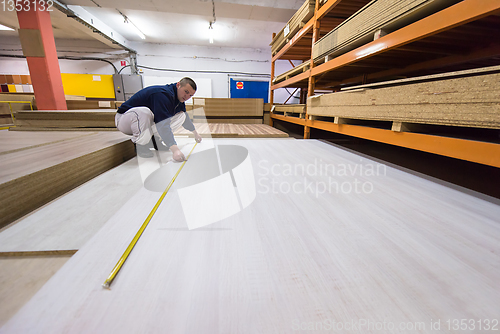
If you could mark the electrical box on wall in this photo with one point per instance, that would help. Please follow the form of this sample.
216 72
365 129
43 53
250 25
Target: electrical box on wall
127 85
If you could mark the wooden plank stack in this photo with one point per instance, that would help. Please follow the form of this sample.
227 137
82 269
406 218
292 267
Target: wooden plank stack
467 101
293 72
297 110
226 110
48 165
360 28
298 20
65 119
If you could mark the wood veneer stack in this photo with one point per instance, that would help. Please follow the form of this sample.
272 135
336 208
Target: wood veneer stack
298 20
468 101
360 28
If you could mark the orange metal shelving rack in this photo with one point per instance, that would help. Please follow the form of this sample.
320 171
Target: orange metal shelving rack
468 28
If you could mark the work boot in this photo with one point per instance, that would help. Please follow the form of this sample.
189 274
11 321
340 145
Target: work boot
158 144
144 151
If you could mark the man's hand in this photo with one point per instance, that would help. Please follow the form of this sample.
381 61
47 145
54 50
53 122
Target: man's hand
197 137
177 154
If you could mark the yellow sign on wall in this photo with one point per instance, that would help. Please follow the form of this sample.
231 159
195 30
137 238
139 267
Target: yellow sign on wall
88 85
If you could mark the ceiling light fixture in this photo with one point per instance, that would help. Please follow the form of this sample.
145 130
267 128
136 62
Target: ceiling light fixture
210 28
211 34
134 27
2 27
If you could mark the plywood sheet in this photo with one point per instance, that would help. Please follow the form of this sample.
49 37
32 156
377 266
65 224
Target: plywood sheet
400 249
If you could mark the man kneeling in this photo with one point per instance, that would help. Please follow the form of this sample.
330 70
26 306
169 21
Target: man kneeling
157 111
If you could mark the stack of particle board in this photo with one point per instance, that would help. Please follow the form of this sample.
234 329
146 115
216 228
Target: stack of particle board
466 101
298 20
388 15
293 72
224 110
37 167
287 109
65 119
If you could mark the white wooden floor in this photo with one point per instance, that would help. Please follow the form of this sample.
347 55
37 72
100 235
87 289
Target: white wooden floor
385 250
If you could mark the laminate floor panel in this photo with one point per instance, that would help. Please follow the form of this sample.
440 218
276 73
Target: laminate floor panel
320 237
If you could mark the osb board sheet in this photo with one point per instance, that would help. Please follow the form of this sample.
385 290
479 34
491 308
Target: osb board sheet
64 118
405 250
21 278
469 101
71 220
235 130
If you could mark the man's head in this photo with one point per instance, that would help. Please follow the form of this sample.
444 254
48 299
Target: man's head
186 88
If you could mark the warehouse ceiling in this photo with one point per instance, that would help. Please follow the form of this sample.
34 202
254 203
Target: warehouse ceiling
238 23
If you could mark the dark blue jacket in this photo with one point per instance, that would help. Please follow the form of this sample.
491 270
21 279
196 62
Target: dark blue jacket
163 102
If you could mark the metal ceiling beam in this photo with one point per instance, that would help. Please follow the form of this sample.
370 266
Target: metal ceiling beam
93 26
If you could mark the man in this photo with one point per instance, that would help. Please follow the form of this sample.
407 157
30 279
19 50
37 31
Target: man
157 110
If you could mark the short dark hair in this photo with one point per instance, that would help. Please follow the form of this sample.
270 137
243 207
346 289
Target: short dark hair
189 81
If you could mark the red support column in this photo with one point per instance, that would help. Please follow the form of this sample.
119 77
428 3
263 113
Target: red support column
39 47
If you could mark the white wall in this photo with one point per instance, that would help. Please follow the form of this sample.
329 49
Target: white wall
215 63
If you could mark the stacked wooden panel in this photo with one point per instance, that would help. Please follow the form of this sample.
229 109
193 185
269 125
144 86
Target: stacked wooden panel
226 110
298 20
65 119
295 110
293 72
37 167
92 104
360 28
468 101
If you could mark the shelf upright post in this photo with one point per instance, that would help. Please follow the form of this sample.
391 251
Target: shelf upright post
311 83
271 94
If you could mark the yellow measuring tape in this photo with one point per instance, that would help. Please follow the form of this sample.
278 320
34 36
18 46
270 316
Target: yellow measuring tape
118 266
